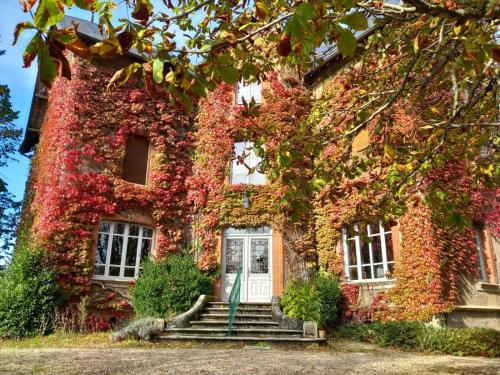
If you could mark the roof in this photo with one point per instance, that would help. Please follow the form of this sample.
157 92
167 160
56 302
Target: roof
90 31
330 53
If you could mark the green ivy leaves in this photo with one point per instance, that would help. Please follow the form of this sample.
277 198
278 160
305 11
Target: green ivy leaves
48 13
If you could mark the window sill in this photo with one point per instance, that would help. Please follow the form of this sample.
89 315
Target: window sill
487 287
373 281
115 279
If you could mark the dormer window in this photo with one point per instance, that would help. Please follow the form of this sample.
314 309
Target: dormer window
244 165
248 91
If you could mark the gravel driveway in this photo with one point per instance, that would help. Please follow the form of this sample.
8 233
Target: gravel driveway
235 361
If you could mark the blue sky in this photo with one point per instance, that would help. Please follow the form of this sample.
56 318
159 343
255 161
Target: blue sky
21 80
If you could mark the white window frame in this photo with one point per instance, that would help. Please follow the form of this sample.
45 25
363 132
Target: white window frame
249 91
481 263
247 145
137 267
359 264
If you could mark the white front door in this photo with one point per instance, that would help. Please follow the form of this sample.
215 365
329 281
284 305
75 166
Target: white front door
250 249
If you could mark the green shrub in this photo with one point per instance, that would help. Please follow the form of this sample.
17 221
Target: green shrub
462 341
360 332
411 335
301 300
29 295
405 335
169 287
330 297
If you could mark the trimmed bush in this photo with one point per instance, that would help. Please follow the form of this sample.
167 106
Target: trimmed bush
462 341
169 287
330 297
29 295
301 300
412 335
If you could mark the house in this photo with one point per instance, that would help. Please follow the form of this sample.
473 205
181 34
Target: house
112 182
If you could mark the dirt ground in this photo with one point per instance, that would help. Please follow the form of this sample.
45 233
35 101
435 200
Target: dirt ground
243 360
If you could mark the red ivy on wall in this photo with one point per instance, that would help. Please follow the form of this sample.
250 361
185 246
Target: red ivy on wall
78 167
220 124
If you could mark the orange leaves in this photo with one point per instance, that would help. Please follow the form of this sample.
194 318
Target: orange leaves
107 48
27 4
20 27
69 39
142 10
284 46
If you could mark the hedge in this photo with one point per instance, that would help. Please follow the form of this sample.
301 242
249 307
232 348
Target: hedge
418 336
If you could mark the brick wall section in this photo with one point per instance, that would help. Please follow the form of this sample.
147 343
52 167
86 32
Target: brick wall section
277 260
489 256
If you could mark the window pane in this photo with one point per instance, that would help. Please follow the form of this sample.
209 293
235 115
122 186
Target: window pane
365 252
366 272
353 273
374 228
351 250
249 91
351 232
133 230
104 226
131 251
390 267
259 256
146 232
114 271
146 249
99 270
234 254
388 247
129 272
377 249
248 230
102 248
116 250
119 228
388 226
379 271
257 178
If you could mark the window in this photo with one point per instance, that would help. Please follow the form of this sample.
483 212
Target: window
135 164
121 248
368 253
481 263
248 91
244 165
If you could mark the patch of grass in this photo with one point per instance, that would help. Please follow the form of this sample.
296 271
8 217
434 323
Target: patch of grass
59 340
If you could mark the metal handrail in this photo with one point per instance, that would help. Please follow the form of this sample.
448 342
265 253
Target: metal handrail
234 300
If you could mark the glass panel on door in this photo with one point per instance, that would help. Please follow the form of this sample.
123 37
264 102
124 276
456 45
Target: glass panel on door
259 256
234 254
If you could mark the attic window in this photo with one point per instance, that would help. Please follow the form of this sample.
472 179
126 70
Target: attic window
248 91
135 164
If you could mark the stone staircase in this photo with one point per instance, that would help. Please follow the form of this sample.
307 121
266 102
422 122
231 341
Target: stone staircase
253 323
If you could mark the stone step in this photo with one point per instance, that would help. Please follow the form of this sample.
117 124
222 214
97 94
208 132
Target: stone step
271 339
236 323
241 305
243 310
256 332
245 317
